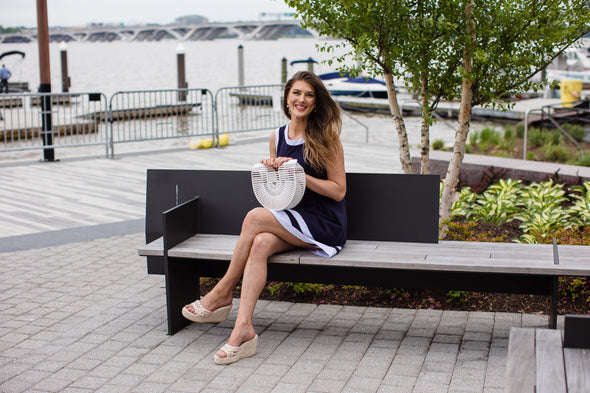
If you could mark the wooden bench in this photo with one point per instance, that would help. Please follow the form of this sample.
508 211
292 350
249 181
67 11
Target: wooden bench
550 361
193 218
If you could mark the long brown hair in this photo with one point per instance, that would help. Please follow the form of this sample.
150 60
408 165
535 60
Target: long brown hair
323 125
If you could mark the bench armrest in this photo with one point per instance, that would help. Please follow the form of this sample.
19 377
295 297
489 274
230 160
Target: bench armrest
180 223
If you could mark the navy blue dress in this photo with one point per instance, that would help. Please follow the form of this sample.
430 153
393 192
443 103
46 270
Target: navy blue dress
317 220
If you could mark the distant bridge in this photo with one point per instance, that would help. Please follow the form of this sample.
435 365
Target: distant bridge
204 32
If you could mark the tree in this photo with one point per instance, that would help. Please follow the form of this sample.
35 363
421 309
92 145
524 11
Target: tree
429 63
405 39
478 50
502 45
371 28
6 30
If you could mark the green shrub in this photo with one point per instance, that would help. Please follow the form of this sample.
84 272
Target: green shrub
473 137
520 130
576 131
542 210
457 297
509 132
553 137
575 287
580 208
498 204
507 144
545 210
305 288
536 138
581 160
484 145
274 288
555 153
573 236
508 140
438 144
531 156
489 135
463 206
464 231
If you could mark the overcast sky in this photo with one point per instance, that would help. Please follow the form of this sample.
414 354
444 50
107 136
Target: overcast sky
16 13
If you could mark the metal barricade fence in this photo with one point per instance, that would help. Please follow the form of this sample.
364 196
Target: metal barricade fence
160 114
49 120
249 108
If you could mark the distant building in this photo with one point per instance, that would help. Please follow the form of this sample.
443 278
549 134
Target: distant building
191 20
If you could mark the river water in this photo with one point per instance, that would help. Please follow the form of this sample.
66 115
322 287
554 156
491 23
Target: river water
123 65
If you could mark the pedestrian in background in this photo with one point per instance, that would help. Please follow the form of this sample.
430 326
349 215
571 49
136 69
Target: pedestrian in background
5 74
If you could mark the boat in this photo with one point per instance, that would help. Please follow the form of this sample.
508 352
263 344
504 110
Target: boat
345 85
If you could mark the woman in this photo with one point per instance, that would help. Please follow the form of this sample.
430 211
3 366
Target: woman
317 223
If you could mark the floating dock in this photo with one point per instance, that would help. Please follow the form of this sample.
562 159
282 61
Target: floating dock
66 99
16 101
33 132
516 111
8 102
253 99
144 113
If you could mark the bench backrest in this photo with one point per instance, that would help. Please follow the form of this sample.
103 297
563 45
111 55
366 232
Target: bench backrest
388 207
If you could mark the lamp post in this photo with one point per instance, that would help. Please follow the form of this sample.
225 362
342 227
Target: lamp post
181 72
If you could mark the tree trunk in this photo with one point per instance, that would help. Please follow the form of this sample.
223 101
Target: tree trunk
452 176
446 202
424 133
404 146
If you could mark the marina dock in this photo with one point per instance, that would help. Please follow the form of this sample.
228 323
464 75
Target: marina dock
35 132
143 113
11 102
529 109
515 111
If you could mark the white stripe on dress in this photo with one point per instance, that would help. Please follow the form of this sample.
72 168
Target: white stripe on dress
323 249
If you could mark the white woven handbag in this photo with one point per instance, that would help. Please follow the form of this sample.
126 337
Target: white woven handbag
280 189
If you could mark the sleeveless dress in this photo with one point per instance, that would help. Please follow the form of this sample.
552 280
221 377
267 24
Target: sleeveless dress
316 220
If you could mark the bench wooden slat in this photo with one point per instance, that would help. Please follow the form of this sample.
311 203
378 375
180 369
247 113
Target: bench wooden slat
520 369
549 360
577 364
513 265
155 248
386 255
218 247
488 247
444 263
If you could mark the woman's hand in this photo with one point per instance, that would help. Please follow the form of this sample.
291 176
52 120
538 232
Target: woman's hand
275 163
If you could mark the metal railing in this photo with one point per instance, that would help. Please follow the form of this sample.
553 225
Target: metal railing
248 108
551 114
49 120
160 114
55 120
